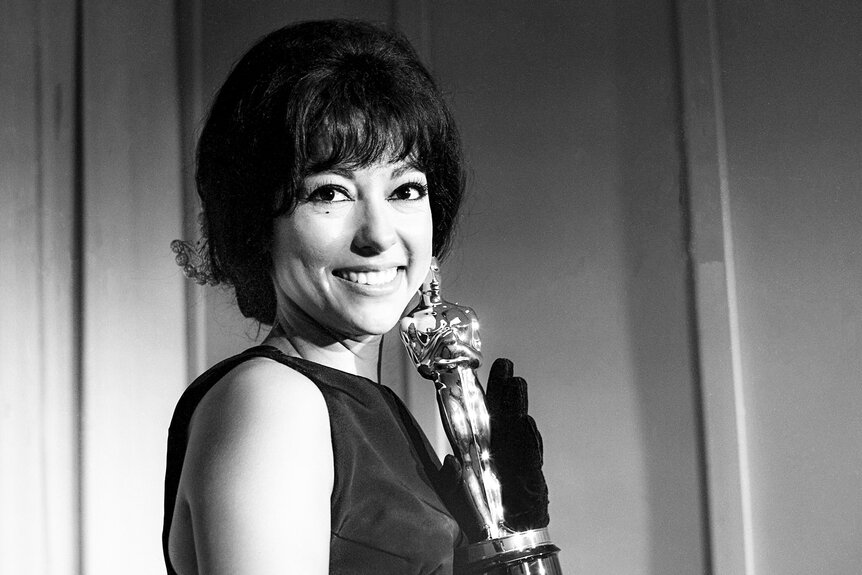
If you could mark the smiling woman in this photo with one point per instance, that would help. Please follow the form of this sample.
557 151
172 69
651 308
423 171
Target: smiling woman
371 229
330 174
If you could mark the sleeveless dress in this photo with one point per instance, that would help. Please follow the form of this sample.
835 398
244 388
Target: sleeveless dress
387 516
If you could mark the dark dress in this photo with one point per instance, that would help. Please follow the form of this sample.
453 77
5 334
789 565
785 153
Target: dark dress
387 516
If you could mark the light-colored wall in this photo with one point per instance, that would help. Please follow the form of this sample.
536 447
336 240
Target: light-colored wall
572 252
93 350
38 395
133 310
791 81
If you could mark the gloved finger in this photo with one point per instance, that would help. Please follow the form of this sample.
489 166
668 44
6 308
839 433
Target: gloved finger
450 479
501 370
517 445
450 471
507 398
500 373
538 436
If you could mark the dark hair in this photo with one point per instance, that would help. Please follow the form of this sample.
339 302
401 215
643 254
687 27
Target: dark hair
306 98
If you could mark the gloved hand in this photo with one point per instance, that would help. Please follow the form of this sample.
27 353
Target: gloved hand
516 449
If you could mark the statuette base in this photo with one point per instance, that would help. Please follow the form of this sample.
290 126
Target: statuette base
524 553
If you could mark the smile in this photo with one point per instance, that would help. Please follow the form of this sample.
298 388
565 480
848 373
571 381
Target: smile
370 277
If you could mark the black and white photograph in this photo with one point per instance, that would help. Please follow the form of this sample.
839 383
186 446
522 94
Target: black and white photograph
431 287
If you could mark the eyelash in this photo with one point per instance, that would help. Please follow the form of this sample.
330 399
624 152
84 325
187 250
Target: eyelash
314 196
415 185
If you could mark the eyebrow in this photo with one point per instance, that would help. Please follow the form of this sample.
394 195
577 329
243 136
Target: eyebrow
403 169
343 172
396 172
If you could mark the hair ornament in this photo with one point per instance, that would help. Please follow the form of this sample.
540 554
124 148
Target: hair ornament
194 260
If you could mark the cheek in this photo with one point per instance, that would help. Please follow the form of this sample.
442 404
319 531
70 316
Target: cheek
424 235
417 230
301 256
421 240
302 242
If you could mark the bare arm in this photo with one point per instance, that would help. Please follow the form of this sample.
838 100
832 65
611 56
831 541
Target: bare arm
259 473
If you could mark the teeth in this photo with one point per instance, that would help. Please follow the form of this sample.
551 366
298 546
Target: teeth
369 278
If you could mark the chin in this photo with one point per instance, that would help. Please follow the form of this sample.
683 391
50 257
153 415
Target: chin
373 323
375 328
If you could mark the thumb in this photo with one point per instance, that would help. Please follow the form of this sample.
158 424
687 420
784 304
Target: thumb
450 472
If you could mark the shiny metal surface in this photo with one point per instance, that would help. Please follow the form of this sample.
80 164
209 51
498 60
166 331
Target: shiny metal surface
521 541
442 339
526 552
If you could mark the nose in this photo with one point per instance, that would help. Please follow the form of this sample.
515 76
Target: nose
375 229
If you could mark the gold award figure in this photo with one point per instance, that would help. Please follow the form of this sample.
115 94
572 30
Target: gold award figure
442 339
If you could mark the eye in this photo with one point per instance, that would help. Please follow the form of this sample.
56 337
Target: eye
328 194
411 191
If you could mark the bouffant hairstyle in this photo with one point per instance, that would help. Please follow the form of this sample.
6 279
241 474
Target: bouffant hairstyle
304 99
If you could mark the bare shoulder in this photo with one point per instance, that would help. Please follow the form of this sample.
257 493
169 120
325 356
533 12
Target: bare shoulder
258 463
260 407
260 392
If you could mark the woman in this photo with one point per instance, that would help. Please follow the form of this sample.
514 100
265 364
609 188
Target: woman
330 173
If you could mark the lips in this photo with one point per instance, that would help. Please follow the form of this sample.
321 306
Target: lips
368 277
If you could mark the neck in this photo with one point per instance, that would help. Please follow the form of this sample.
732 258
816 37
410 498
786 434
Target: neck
298 337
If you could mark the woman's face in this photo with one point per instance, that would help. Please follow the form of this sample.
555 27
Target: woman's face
355 249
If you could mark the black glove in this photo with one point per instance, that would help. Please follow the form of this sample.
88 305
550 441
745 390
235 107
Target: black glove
516 449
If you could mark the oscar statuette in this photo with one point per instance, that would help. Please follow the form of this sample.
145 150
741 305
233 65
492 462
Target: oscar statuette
442 339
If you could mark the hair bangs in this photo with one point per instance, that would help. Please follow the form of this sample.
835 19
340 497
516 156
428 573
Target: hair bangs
363 124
